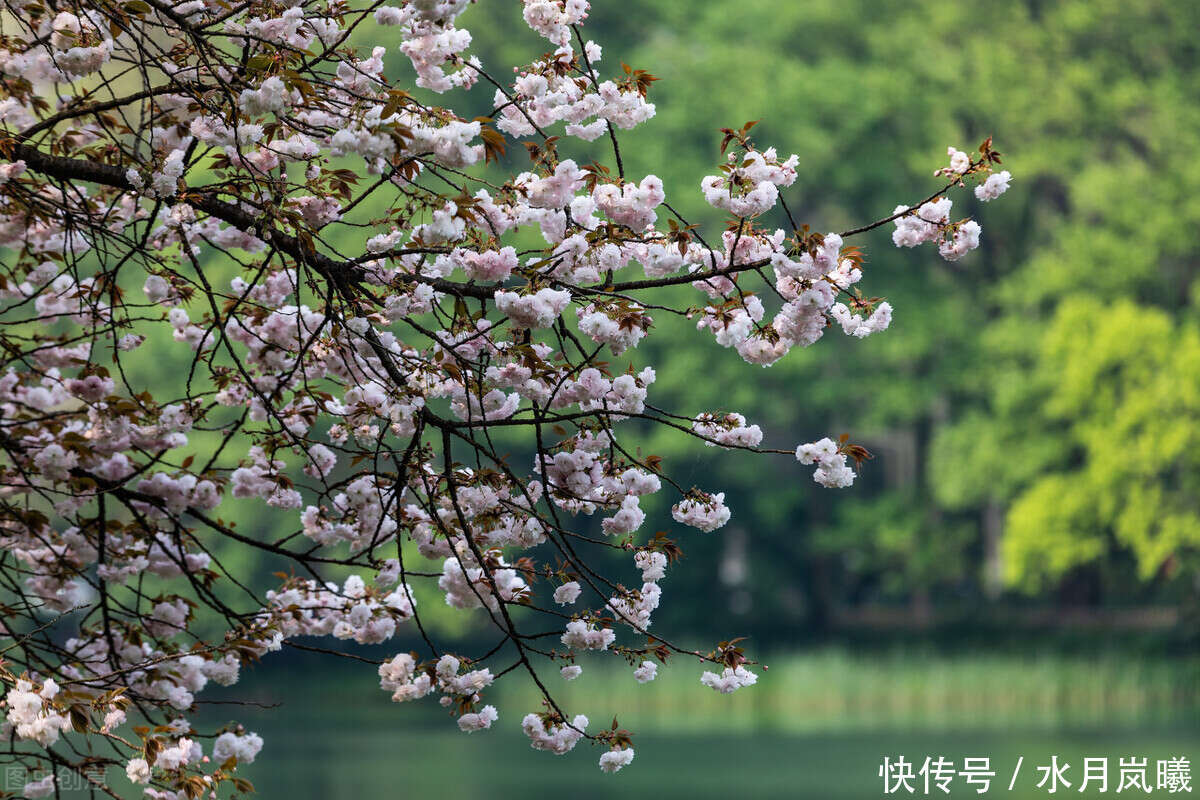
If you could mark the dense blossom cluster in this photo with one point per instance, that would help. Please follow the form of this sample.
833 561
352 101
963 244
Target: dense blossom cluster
729 430
729 680
339 341
832 470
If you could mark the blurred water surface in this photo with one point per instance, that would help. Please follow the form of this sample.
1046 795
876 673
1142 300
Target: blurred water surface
818 725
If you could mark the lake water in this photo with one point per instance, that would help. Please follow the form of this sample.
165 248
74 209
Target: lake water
339 738
402 760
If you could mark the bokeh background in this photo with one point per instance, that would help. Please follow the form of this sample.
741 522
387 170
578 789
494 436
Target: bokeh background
1016 573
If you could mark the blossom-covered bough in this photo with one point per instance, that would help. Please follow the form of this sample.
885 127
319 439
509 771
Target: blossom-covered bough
371 318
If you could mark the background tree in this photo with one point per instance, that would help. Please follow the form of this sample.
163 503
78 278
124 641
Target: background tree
1095 100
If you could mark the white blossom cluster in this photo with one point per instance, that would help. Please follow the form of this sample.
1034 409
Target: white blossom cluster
729 680
401 677
832 470
379 333
750 187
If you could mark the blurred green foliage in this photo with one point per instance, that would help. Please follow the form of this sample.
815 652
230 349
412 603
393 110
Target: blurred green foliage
1121 380
1033 406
